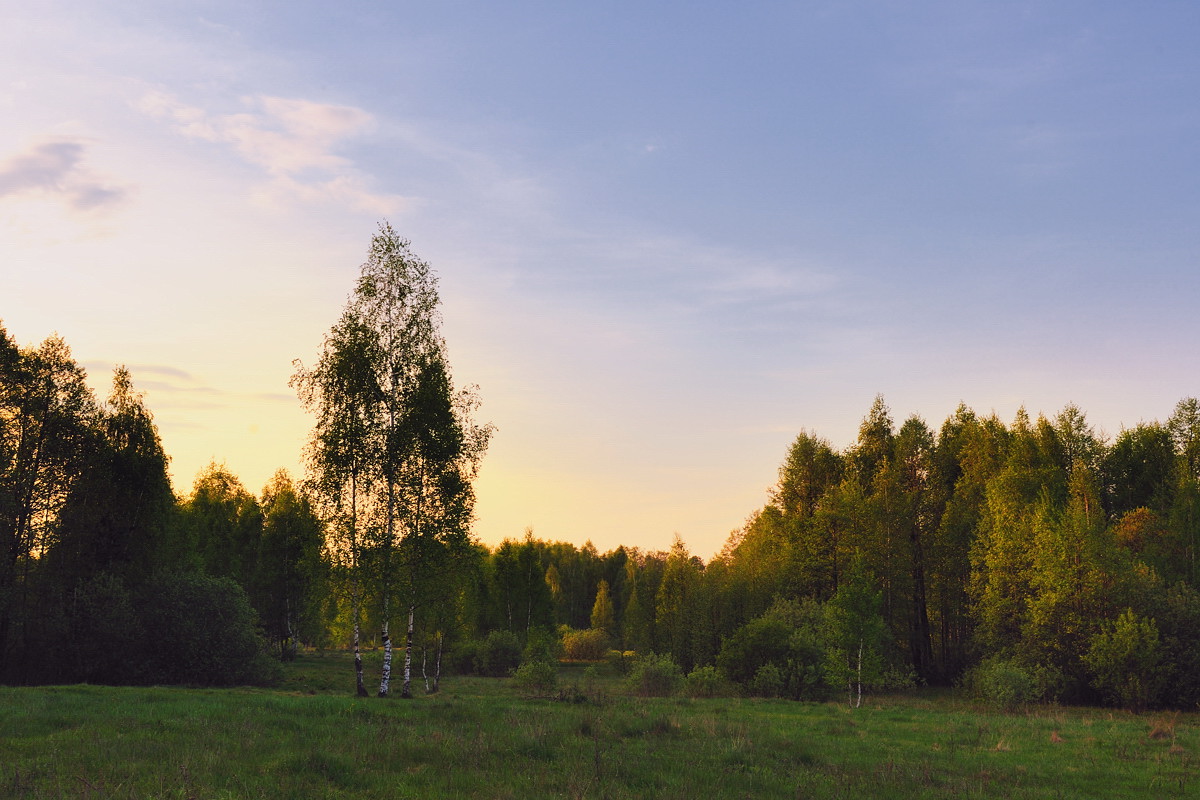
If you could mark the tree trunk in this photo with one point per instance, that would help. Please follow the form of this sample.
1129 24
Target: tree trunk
437 664
860 649
424 674
386 678
407 693
358 667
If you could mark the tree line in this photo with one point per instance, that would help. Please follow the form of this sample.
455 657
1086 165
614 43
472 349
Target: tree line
106 576
1030 559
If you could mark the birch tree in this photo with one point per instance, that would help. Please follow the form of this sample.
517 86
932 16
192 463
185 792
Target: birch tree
393 433
339 454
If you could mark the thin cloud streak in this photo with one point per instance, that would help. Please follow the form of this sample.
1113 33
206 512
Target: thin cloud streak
56 168
292 140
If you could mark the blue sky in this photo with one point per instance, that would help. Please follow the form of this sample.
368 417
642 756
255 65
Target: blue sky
669 235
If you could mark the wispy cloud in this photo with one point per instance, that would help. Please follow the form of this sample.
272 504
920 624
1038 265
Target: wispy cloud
294 141
56 168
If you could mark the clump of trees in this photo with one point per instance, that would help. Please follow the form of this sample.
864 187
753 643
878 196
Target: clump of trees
104 575
394 449
1025 560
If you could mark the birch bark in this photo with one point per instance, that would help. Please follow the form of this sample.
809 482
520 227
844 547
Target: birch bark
407 693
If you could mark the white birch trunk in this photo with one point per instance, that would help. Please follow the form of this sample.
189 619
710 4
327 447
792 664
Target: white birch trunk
437 664
407 693
860 649
424 674
361 687
385 679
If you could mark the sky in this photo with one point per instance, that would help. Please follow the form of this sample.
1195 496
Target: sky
668 236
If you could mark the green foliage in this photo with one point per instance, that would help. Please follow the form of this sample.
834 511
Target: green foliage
857 633
202 631
675 607
107 637
1001 682
620 662
654 676
540 676
292 575
708 681
1126 660
768 681
542 644
498 655
603 615
790 637
587 645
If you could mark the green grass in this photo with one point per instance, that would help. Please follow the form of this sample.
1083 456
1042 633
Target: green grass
482 738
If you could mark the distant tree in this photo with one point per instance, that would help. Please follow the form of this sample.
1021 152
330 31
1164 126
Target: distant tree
603 617
857 634
809 471
291 571
46 413
1184 427
674 604
119 512
1138 469
522 594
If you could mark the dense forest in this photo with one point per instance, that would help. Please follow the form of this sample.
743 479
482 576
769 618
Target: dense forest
1033 558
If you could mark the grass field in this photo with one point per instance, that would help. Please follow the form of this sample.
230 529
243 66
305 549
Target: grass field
309 738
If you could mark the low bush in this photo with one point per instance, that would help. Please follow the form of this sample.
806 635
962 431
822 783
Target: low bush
619 662
1001 682
708 682
654 676
498 655
586 645
539 676
767 682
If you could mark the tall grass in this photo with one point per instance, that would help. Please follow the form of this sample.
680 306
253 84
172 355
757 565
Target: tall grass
483 738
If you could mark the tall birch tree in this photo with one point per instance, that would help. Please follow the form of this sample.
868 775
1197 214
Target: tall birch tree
392 431
339 454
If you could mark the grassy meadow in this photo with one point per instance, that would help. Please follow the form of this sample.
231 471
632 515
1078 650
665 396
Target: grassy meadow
479 737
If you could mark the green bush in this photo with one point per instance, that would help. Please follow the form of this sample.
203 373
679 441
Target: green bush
789 638
1126 661
708 682
542 644
767 682
536 676
202 631
1001 682
619 662
654 676
498 655
586 645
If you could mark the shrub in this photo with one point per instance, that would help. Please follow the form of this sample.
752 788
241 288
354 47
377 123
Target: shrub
619 662
1126 660
542 644
586 645
767 681
789 638
536 676
1002 683
498 655
202 631
708 682
654 676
